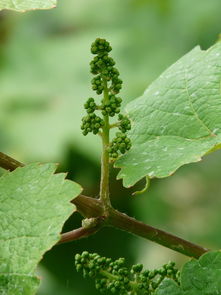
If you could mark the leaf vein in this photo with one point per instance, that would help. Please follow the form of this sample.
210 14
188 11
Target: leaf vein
191 104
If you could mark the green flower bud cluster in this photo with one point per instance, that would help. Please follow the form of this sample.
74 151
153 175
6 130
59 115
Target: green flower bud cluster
120 144
103 66
91 123
125 124
90 105
115 277
106 80
112 107
97 84
99 46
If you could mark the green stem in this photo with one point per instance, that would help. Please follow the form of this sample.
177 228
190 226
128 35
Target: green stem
113 277
104 184
114 125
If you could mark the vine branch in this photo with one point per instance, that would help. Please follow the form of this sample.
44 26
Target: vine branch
82 232
76 234
9 163
91 207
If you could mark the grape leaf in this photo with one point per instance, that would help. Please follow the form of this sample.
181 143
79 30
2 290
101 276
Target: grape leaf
177 120
23 5
198 277
34 205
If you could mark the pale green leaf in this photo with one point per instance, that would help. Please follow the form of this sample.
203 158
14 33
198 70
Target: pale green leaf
198 277
35 203
23 5
169 287
177 120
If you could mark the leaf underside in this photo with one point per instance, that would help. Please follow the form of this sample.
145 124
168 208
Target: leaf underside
178 118
198 277
35 203
24 5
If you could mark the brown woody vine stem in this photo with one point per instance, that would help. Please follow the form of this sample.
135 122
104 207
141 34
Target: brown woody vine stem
90 207
81 232
9 163
76 234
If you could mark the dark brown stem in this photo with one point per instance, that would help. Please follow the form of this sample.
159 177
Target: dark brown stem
90 207
129 224
81 232
9 163
76 234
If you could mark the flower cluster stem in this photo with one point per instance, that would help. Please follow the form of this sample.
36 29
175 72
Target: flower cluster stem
104 183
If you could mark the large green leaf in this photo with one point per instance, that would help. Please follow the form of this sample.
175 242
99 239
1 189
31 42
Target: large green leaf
177 120
34 205
23 5
198 277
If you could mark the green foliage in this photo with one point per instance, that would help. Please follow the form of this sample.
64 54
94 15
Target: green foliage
177 120
53 104
24 5
181 92
117 278
198 277
35 202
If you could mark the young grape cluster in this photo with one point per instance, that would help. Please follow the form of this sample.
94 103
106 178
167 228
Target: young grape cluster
125 124
102 65
121 143
112 107
115 277
91 123
106 81
90 105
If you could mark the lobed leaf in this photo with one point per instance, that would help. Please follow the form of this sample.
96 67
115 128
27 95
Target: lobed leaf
24 5
177 120
198 277
35 203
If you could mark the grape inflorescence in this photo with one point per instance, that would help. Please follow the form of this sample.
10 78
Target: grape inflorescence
113 276
102 66
121 143
106 81
91 123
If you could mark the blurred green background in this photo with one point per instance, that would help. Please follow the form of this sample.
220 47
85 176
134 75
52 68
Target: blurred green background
44 81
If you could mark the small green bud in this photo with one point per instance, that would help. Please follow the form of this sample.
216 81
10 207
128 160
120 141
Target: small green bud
137 268
154 285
